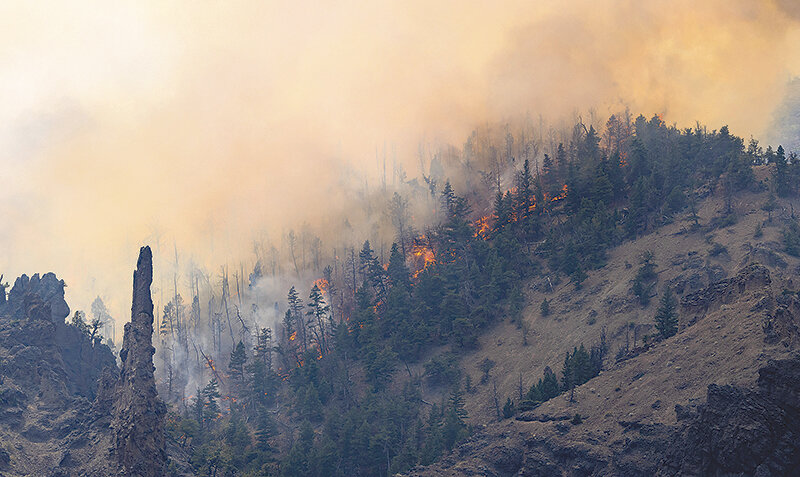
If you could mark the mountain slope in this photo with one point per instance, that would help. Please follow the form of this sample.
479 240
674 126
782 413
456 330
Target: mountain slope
729 331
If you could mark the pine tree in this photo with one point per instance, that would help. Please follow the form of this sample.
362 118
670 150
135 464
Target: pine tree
210 394
317 313
263 348
236 369
296 317
238 359
523 199
380 364
372 272
544 308
548 385
666 317
781 175
791 239
448 198
397 269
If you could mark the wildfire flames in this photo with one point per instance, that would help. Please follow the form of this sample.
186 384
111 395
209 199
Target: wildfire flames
323 285
560 196
293 336
423 253
482 227
623 156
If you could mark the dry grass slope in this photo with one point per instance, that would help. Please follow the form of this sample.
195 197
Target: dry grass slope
724 346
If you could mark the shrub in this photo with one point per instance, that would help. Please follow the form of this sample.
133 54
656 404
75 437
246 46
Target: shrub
485 367
791 239
509 409
717 249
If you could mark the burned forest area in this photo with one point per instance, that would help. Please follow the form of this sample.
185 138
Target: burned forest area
400 239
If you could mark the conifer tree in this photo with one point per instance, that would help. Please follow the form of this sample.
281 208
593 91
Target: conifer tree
781 175
209 410
548 385
544 308
317 313
397 269
236 367
666 317
296 311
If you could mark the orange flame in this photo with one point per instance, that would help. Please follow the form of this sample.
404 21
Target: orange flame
293 336
423 253
482 227
560 196
322 284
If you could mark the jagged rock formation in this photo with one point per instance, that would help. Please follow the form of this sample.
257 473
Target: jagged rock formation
783 324
696 305
37 305
49 373
138 413
742 432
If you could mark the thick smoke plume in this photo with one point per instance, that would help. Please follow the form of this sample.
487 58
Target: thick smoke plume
247 119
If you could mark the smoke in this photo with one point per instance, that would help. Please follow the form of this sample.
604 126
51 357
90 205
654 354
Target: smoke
205 126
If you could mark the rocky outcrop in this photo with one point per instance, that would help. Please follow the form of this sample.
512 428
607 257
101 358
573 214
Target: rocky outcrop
49 373
535 455
737 431
742 432
765 253
783 324
47 290
138 413
696 305
43 353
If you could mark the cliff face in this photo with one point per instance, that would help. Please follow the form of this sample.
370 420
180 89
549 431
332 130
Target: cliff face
49 373
65 407
742 432
36 336
138 413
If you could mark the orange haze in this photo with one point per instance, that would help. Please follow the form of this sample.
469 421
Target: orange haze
203 125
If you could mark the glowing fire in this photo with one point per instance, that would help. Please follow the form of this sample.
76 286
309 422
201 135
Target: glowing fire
622 159
482 227
293 336
423 252
323 285
560 196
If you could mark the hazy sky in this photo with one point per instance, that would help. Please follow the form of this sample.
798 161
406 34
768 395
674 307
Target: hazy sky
204 123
